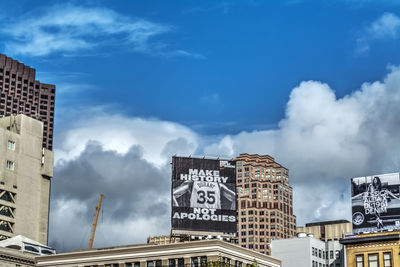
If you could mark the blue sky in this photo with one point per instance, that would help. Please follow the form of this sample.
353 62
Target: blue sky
315 84
204 63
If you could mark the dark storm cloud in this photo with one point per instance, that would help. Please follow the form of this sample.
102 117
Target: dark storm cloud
133 188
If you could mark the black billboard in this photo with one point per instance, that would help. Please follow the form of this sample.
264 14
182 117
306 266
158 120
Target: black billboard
376 202
203 195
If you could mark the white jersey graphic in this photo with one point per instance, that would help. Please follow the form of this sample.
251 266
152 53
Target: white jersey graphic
206 195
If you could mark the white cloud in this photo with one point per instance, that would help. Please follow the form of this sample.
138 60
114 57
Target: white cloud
119 133
325 140
68 28
386 26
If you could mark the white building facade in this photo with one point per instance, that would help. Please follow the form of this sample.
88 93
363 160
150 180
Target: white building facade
306 251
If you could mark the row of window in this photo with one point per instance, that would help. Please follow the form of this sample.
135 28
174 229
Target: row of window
179 262
373 260
257 169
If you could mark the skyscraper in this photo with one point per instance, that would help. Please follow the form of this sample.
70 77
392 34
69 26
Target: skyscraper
265 202
25 172
20 93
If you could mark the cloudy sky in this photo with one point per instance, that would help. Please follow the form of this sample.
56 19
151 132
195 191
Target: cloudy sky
315 84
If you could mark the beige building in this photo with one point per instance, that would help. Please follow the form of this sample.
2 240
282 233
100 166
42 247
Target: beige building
196 253
328 230
25 172
265 202
13 258
373 249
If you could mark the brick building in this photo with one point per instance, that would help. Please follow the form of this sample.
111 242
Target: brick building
265 202
21 93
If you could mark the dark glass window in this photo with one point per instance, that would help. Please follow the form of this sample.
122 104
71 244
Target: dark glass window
203 261
32 249
181 262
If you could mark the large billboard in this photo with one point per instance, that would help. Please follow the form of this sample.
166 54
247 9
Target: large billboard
376 202
203 195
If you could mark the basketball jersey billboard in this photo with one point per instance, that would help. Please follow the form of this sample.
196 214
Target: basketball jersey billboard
203 195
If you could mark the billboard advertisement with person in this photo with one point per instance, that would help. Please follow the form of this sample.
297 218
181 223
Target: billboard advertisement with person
203 195
376 202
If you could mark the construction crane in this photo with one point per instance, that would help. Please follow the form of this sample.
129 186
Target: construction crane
94 224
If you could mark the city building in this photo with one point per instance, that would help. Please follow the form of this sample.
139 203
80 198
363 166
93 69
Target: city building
25 172
327 230
373 249
264 202
21 93
195 254
307 251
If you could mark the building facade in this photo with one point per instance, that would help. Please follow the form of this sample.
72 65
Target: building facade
264 202
21 93
194 254
373 249
327 230
307 251
14 258
25 172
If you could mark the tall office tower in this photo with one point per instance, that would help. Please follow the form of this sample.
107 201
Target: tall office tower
20 93
265 202
25 172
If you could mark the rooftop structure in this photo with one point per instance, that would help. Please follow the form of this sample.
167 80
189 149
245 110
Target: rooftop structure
327 230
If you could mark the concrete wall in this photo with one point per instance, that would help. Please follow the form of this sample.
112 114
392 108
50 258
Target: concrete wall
30 179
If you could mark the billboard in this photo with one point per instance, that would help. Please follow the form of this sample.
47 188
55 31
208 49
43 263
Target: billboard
203 195
375 202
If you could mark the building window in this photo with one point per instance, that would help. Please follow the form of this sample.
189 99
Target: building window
373 260
10 165
6 226
387 259
195 262
111 265
7 196
11 145
6 211
331 254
